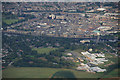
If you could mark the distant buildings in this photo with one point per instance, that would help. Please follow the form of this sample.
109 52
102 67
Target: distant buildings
90 49
94 59
111 14
90 69
73 20
59 17
97 69
69 54
101 9
104 28
52 16
84 41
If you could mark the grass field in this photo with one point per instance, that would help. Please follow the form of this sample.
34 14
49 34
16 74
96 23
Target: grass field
113 73
10 21
44 50
36 72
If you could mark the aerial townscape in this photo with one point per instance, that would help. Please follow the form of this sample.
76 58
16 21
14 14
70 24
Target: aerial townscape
60 39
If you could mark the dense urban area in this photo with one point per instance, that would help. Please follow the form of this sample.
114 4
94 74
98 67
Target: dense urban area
81 37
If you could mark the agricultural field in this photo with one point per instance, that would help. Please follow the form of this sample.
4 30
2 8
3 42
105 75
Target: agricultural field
44 50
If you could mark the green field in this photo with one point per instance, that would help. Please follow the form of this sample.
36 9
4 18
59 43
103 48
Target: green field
36 72
10 21
44 50
113 73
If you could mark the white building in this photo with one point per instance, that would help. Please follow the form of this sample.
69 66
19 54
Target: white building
101 9
104 28
52 16
69 54
100 55
97 69
84 41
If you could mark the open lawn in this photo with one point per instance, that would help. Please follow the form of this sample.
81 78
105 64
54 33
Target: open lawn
44 50
36 72
28 72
